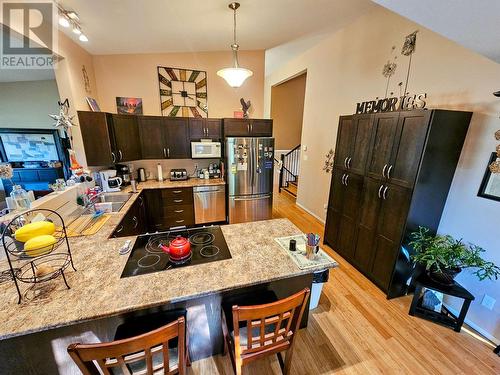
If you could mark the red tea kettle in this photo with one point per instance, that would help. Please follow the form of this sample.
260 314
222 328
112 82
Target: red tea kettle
179 248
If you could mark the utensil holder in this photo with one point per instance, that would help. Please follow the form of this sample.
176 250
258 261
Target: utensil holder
311 252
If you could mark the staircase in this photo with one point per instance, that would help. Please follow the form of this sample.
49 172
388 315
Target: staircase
289 171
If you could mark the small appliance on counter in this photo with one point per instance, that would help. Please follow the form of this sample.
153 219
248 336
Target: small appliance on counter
213 171
141 174
109 182
205 150
123 171
178 174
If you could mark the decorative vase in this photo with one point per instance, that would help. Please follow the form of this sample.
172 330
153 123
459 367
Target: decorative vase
445 276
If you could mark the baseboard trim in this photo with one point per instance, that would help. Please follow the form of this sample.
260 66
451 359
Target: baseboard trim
310 213
474 326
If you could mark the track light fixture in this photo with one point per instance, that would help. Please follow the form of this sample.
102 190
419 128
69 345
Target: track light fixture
69 18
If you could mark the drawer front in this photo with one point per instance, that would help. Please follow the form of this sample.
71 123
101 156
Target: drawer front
178 221
183 196
176 211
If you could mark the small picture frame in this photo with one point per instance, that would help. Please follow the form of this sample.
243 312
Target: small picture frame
93 104
490 186
128 106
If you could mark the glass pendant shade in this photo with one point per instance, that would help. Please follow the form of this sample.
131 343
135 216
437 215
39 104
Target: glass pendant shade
235 76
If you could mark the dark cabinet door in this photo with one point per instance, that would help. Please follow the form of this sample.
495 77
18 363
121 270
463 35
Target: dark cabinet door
177 138
236 128
335 200
152 140
154 209
96 138
384 131
353 188
334 213
214 128
345 135
360 144
333 218
391 224
126 135
197 128
408 147
367 223
261 128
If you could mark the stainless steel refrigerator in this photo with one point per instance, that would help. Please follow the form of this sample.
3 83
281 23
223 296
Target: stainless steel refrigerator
250 163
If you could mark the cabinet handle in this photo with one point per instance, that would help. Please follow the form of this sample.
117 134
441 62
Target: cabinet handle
251 128
346 179
121 155
342 179
380 191
178 211
345 162
178 200
349 162
389 171
177 191
164 152
383 170
141 200
119 230
136 222
168 152
179 221
113 157
384 194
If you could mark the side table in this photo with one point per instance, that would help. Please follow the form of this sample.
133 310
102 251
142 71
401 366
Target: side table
444 317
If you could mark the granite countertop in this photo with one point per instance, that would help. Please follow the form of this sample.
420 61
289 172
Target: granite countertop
98 291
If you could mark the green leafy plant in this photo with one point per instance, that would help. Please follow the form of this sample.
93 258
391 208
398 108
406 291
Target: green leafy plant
438 253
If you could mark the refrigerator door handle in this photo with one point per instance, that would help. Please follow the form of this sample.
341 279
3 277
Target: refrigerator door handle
253 199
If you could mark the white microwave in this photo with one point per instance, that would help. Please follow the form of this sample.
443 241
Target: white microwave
207 150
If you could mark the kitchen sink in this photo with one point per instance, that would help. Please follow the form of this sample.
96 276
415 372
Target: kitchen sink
117 200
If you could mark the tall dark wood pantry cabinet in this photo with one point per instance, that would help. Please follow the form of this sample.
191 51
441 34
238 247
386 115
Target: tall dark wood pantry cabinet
392 173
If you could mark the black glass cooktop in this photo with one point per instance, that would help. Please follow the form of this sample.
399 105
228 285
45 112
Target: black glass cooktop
207 245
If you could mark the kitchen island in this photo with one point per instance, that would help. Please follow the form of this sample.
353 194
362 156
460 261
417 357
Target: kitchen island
40 330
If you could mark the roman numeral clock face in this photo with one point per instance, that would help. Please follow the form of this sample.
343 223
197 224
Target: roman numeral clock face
183 92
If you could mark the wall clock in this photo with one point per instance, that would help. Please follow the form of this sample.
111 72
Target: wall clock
183 92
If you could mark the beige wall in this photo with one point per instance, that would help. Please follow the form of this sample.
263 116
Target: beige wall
346 68
287 109
27 104
136 76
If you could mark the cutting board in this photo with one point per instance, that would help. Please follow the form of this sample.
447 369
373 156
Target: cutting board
86 226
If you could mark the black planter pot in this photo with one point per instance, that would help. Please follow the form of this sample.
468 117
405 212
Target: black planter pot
445 276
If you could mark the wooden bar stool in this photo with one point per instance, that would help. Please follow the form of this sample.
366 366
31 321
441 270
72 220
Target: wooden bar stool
263 330
148 353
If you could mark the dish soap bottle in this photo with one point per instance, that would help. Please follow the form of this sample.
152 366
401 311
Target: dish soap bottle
20 198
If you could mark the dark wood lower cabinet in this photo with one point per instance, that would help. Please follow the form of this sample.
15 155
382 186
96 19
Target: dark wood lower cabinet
376 202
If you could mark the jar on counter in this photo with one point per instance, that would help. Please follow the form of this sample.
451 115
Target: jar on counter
20 197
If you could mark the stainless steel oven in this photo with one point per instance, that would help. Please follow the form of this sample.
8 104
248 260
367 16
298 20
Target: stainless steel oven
209 204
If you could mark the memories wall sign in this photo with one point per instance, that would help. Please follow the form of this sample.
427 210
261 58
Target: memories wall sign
401 103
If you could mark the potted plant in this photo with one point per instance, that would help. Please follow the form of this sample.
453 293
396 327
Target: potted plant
445 257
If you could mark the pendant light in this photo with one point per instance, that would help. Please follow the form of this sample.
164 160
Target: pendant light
235 76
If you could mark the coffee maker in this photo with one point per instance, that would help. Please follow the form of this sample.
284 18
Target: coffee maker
123 171
109 181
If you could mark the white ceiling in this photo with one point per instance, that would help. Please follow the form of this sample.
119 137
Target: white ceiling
474 24
133 26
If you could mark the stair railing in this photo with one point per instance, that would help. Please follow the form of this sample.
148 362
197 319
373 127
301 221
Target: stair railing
289 167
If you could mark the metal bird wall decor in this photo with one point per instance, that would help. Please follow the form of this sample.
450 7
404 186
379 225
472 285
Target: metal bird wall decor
245 106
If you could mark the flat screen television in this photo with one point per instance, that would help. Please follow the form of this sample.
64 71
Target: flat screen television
29 146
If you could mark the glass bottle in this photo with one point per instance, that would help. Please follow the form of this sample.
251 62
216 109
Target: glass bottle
20 197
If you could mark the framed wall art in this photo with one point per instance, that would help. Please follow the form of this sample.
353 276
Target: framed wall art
183 92
129 106
490 186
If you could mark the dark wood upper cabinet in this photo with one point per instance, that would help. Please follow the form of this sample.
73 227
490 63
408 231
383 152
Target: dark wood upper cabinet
392 174
177 137
96 135
384 131
408 146
152 138
234 127
205 128
126 136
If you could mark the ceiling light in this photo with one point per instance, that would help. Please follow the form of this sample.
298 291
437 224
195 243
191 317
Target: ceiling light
83 38
234 76
72 14
76 29
63 20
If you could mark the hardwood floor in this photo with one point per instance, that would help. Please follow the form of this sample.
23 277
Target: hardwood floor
356 330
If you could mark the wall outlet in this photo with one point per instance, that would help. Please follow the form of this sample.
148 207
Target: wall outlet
325 206
488 302
304 148
305 157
